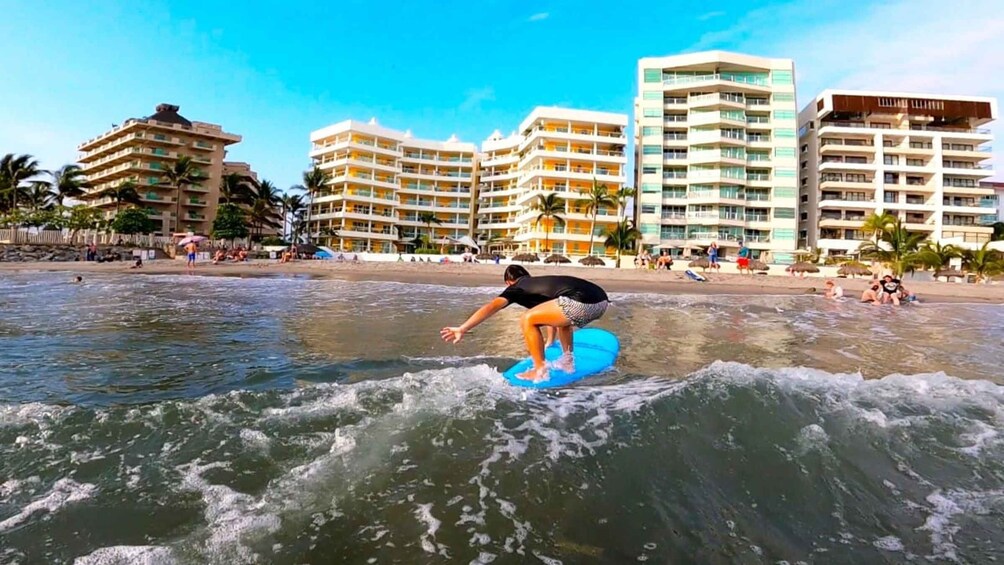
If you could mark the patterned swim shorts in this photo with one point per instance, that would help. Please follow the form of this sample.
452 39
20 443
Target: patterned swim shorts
581 314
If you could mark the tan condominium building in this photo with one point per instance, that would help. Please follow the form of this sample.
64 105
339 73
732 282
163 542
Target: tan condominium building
385 188
715 144
555 151
140 150
919 157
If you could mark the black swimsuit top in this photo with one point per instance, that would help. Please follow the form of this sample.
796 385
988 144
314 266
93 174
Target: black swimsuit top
532 291
891 286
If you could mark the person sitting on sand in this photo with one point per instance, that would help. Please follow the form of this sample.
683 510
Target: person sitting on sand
242 255
871 294
138 263
890 289
834 291
559 302
220 255
665 261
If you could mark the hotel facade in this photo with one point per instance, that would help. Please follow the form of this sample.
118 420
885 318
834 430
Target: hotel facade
715 153
918 157
381 183
141 149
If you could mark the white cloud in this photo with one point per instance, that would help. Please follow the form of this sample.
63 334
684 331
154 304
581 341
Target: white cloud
709 15
903 45
475 97
539 16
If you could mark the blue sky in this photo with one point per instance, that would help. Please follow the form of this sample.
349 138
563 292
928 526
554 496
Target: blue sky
274 71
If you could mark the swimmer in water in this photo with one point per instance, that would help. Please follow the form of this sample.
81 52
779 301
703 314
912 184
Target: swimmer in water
559 302
77 279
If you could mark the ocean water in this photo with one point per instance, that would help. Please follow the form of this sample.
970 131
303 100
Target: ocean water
157 420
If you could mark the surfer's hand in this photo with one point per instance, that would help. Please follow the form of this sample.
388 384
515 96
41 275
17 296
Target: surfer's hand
452 335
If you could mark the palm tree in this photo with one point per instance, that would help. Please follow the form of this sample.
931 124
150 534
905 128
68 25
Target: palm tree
67 182
263 207
429 218
899 251
37 196
313 182
183 173
292 206
14 170
877 224
622 237
549 206
599 198
983 262
622 194
234 186
937 256
123 192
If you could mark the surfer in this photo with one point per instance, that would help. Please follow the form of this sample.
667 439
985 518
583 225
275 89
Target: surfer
552 302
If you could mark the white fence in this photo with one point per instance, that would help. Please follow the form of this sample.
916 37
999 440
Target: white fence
65 237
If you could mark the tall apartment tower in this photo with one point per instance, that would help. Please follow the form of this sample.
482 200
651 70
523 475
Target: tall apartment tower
141 149
381 181
919 157
715 142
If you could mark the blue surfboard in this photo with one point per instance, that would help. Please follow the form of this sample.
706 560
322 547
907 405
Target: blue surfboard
595 350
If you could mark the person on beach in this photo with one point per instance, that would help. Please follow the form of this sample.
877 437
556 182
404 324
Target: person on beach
554 302
871 294
834 291
191 248
713 256
743 262
891 289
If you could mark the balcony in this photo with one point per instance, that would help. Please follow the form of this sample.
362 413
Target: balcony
195 202
756 84
717 100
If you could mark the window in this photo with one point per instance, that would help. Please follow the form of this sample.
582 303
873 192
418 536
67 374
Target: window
651 150
784 173
649 188
651 112
782 77
651 130
156 166
891 159
784 234
784 132
915 162
891 178
804 199
152 180
649 229
651 95
649 170
805 165
803 216
648 209
784 192
785 151
784 97
784 114
653 75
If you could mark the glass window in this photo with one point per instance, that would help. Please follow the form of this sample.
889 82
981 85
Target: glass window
784 234
784 132
784 114
784 97
784 192
784 173
651 95
784 213
648 209
649 228
651 150
653 75
782 77
649 170
784 152
651 130
651 112
649 188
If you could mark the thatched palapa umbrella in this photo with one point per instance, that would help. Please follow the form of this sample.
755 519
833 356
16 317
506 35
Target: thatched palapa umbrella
593 261
854 269
703 263
557 259
758 265
526 258
948 273
488 256
802 267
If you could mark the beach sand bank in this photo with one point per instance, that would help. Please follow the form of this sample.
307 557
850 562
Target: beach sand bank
481 274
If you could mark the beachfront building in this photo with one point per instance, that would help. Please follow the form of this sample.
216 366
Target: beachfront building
995 200
140 150
715 148
556 151
381 182
919 157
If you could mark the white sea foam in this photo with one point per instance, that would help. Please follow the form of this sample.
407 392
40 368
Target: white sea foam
889 543
63 492
128 555
943 509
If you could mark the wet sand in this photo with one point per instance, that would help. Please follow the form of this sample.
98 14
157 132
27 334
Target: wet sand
461 274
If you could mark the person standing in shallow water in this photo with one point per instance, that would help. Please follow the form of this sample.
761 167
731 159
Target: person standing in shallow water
556 303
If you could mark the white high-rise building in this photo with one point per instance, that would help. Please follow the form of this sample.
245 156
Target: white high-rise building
919 157
715 148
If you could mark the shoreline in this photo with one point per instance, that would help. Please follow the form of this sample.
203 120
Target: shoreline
482 274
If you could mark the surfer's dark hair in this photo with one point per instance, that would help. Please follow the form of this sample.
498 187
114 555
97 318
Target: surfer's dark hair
514 273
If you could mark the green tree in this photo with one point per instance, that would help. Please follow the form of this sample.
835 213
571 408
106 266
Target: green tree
937 256
182 173
622 195
428 218
983 262
998 231
67 182
895 247
82 217
292 207
263 207
36 196
132 221
230 222
548 207
599 199
123 192
622 237
14 171
235 187
877 224
313 183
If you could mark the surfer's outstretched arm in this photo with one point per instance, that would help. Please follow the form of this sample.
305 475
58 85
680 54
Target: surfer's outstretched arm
455 334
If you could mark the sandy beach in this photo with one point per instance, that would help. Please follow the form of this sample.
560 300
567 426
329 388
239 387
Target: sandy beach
466 274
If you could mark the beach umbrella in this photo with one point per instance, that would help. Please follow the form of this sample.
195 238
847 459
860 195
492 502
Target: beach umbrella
703 263
558 259
758 265
488 256
803 267
593 261
854 269
192 239
526 258
949 273
307 248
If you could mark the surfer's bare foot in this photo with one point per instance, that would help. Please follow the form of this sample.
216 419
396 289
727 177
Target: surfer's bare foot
534 375
565 363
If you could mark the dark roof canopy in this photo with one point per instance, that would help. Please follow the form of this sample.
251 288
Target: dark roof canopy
168 113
